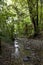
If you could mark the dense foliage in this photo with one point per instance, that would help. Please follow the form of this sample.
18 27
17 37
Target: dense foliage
21 17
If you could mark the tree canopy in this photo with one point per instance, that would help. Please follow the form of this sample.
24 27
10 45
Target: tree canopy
23 17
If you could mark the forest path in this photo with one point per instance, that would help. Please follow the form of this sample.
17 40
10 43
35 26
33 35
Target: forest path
36 44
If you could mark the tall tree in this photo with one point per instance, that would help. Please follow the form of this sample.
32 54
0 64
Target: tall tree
0 45
33 9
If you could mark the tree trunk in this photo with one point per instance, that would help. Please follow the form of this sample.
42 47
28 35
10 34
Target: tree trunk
34 15
0 46
26 29
35 23
12 32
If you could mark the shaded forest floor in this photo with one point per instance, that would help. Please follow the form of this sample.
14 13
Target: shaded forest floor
39 36
36 44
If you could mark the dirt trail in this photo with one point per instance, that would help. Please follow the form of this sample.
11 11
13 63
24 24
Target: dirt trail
5 58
